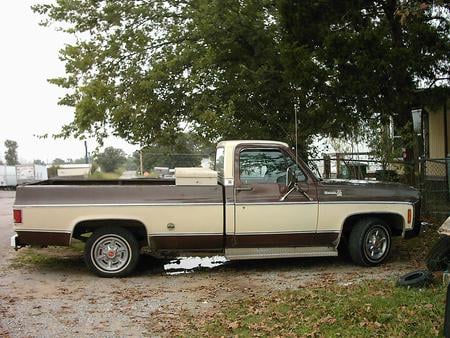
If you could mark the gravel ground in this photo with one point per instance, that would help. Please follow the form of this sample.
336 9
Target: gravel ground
64 299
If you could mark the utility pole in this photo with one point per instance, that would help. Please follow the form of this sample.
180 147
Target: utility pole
141 162
86 157
296 133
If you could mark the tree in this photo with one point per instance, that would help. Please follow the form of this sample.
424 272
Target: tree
239 69
11 152
184 152
364 60
111 159
58 161
39 162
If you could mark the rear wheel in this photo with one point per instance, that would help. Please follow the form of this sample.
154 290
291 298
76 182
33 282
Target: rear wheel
370 242
111 252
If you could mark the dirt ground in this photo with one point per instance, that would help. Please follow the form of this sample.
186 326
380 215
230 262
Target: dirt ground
64 299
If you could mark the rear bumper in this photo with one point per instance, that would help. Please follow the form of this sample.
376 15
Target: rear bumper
41 238
15 242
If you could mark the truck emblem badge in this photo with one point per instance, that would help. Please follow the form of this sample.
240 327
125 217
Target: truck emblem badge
338 193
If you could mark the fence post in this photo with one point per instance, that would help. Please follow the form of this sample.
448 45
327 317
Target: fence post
326 166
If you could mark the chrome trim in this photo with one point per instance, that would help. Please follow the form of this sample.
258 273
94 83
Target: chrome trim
279 252
278 203
44 230
171 233
115 205
282 232
366 202
13 241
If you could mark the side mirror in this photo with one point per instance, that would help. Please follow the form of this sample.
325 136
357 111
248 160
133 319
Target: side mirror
290 178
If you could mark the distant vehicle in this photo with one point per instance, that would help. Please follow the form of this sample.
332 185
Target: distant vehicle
8 179
260 202
31 173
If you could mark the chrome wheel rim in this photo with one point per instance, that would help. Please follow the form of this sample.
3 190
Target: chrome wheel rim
111 253
376 243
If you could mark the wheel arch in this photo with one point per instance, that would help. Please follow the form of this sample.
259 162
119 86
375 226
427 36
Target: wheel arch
395 221
135 226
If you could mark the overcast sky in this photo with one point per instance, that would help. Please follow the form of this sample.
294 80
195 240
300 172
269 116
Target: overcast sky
28 104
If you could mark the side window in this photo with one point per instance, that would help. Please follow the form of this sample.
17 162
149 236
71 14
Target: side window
262 166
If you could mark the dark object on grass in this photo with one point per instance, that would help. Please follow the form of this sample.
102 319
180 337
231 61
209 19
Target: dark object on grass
439 256
447 314
419 278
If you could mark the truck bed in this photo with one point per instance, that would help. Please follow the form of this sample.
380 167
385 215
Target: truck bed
137 181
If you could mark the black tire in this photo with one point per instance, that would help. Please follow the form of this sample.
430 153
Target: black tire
358 245
438 259
419 278
121 261
447 314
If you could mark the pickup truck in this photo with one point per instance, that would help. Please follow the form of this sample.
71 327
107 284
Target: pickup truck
259 202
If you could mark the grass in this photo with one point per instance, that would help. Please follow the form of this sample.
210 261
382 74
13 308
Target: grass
54 258
368 309
105 176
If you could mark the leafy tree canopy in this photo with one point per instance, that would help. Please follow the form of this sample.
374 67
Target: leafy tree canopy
11 152
237 69
58 161
183 152
111 159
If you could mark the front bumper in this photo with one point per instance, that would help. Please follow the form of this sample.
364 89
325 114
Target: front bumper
414 232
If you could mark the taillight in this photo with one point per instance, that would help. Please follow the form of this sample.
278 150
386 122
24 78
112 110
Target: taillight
17 216
409 216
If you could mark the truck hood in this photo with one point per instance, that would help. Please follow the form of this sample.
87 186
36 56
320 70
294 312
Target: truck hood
345 190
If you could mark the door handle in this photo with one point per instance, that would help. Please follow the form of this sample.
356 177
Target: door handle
244 188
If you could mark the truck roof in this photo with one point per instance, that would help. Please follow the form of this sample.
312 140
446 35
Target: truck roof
234 143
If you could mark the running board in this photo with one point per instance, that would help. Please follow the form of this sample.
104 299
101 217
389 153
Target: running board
284 252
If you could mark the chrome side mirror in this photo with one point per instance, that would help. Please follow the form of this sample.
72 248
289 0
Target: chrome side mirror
290 178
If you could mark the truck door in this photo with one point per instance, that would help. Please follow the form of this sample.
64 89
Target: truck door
263 218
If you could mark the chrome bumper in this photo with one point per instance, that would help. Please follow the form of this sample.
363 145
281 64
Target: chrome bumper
14 242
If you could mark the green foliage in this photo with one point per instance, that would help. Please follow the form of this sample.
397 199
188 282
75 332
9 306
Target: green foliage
111 159
183 152
58 161
236 69
11 152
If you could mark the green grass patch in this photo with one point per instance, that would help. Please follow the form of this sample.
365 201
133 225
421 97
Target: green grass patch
105 176
54 257
375 308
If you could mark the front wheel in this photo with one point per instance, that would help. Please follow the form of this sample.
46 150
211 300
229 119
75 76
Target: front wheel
111 252
370 242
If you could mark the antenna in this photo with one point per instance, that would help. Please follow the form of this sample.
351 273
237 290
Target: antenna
296 133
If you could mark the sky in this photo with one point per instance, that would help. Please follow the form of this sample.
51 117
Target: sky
28 103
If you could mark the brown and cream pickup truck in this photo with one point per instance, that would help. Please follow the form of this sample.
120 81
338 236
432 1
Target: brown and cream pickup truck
259 202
